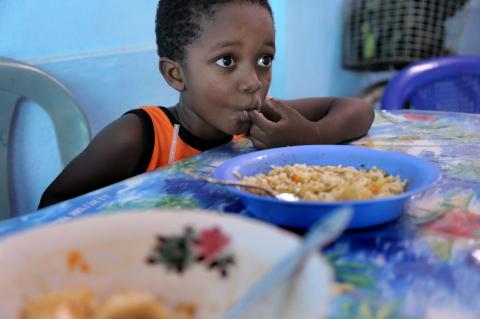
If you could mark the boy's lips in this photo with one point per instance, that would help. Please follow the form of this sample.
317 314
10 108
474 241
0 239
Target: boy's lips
244 117
252 108
253 105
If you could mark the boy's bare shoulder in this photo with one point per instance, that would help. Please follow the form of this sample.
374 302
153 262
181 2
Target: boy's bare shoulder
121 142
126 131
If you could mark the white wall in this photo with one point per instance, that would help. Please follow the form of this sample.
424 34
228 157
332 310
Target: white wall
309 36
103 51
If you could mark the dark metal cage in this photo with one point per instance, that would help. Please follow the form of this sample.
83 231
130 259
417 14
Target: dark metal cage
386 34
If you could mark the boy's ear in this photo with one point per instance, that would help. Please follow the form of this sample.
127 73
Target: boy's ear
172 73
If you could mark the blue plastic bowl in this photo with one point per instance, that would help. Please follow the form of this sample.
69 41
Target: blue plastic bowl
419 173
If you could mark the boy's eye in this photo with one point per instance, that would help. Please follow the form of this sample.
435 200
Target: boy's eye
225 62
265 61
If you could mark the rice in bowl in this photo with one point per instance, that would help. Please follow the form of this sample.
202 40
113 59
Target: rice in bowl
328 183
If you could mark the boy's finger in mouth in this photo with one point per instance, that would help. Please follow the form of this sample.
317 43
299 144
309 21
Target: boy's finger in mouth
244 116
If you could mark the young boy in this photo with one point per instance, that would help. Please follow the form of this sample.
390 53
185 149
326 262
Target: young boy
218 54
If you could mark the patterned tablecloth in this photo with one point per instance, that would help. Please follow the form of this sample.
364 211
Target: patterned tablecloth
424 265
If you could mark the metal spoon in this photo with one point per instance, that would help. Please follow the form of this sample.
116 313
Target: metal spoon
283 196
320 234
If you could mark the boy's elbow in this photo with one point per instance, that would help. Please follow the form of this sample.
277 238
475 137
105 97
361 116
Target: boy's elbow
364 111
360 116
46 200
50 197
370 112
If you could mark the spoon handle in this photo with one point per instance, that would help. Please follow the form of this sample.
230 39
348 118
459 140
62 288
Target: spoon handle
230 183
320 234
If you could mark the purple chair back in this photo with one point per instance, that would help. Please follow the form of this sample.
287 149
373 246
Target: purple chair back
446 83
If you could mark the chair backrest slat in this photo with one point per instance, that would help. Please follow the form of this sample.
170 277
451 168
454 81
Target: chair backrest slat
8 101
446 84
20 80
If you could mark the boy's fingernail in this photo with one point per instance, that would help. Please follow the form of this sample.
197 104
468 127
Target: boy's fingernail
245 116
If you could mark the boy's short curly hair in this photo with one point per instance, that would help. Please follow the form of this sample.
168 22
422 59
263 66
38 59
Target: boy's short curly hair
178 23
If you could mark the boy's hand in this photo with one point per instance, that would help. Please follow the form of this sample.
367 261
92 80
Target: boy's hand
268 111
279 125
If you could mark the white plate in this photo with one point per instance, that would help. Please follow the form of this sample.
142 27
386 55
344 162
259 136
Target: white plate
115 248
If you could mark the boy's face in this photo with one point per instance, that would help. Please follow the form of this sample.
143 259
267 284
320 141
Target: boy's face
227 71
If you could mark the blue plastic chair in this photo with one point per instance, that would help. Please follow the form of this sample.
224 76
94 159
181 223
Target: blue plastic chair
20 82
445 84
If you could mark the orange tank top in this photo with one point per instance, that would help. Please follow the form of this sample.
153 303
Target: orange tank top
163 131
163 126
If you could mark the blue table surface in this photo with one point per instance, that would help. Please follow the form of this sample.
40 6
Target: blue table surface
425 264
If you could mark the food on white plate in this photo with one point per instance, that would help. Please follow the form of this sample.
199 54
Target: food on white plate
82 304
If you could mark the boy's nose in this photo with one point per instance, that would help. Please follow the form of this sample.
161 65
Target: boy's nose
250 83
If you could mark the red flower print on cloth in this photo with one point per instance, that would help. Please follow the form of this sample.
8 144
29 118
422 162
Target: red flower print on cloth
420 117
457 223
211 242
179 252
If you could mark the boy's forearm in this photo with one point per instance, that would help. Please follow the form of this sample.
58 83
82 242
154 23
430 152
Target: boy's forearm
346 119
